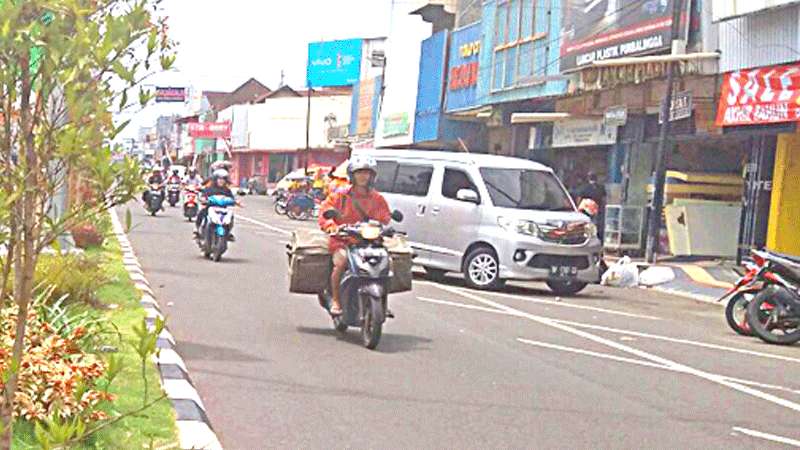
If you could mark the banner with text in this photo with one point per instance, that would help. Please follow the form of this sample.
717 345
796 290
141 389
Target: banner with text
760 96
210 130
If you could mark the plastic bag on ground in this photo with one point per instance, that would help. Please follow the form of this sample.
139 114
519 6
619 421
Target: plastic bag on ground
623 274
656 275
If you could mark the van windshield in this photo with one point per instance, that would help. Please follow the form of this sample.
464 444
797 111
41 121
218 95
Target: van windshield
526 189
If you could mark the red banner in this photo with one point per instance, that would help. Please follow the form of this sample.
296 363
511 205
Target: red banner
210 130
760 96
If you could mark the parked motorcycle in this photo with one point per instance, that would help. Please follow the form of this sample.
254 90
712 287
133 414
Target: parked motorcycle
190 206
774 313
364 285
215 230
155 198
173 194
744 290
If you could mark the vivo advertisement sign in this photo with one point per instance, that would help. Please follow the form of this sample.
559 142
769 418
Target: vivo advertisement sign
334 63
463 68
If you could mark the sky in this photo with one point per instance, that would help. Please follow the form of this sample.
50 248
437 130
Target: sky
224 43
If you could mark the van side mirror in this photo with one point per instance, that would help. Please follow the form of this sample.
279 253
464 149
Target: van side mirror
468 195
331 214
397 216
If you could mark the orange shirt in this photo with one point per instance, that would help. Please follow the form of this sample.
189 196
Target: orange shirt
372 203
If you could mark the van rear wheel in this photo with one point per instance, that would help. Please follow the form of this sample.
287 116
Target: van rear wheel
482 269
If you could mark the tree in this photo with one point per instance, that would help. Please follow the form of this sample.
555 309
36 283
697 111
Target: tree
66 66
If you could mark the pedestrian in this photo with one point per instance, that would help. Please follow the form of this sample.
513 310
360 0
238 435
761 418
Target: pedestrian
596 192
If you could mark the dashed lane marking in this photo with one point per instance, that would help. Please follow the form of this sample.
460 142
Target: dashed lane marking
767 436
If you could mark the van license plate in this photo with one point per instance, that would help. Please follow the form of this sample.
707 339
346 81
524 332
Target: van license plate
563 271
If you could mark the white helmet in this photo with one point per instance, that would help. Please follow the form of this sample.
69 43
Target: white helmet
220 173
362 162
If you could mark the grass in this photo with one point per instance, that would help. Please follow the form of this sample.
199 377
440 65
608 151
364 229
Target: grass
155 427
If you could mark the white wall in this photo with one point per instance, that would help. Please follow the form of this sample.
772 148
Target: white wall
280 123
402 71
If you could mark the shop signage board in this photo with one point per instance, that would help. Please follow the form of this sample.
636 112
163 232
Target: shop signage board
170 95
681 107
728 9
334 63
616 116
462 78
600 30
396 125
366 97
767 95
210 130
583 133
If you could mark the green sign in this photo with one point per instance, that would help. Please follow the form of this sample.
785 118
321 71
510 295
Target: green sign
396 125
204 146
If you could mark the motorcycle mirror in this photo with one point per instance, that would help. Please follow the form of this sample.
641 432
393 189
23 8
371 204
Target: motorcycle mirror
397 216
331 214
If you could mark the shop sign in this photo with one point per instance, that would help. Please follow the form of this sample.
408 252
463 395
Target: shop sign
463 60
616 116
681 107
334 63
170 95
583 133
464 76
396 125
366 97
210 130
601 30
728 9
767 95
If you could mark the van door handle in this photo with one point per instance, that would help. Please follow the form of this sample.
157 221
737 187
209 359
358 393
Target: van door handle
420 210
436 209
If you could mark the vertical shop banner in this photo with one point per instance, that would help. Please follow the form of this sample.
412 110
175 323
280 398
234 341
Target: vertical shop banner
430 87
766 95
334 63
366 95
597 30
464 70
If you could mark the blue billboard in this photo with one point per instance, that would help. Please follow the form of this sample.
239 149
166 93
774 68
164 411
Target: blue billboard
464 68
334 63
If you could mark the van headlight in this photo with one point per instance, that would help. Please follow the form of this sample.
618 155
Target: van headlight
525 227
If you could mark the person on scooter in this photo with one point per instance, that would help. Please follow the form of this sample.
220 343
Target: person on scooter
219 186
174 178
155 178
193 178
358 204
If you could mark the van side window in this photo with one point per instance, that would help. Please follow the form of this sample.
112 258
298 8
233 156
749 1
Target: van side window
387 172
413 180
455 180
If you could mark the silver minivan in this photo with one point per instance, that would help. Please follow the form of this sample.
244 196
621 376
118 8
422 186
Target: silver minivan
492 218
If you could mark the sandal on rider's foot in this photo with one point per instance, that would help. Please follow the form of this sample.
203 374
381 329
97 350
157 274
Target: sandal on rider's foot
336 310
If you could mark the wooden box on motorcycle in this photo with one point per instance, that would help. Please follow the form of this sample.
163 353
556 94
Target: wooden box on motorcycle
310 262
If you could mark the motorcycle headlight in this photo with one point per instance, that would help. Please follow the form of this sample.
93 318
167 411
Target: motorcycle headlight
525 227
370 232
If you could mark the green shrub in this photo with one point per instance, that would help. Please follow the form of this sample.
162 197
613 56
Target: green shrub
73 277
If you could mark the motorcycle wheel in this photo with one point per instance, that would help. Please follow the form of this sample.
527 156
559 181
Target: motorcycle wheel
280 208
736 312
205 244
219 247
762 315
372 327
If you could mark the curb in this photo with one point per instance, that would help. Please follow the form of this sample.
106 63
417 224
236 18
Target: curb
194 428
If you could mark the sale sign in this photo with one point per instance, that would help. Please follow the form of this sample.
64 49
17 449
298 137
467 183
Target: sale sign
210 130
766 95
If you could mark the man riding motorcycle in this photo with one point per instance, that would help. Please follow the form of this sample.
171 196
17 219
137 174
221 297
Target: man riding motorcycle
219 186
193 178
155 178
358 204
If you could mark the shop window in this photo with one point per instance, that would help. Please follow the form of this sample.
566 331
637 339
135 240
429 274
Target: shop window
454 181
520 50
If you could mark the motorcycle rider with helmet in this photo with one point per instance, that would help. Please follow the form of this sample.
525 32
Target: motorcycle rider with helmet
193 178
156 178
358 204
219 186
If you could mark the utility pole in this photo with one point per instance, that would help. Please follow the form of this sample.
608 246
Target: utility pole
308 130
657 205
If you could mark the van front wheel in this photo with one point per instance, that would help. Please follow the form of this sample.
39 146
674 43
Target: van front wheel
482 269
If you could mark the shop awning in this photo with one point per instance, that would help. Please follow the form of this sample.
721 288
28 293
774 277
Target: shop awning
538 117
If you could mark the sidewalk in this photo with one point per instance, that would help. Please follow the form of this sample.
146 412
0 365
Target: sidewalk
704 280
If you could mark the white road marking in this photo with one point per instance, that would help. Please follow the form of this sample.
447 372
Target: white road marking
595 354
461 305
767 436
714 378
554 303
264 225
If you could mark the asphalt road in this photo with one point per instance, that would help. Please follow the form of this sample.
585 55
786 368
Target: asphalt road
458 368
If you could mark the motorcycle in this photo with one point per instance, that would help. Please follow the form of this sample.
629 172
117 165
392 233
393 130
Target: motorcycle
756 279
300 206
173 193
774 314
190 207
281 201
365 282
216 229
155 198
